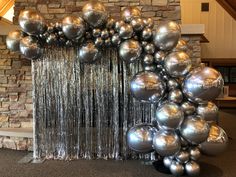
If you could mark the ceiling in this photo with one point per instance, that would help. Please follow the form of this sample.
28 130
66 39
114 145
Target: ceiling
5 5
229 6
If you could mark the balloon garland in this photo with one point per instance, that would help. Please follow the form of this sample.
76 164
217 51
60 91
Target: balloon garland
185 116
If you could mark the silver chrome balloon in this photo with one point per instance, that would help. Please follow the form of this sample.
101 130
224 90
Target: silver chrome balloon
166 143
167 161
30 48
73 27
194 153
129 13
188 108
177 64
126 31
94 13
169 116
176 168
104 34
147 87
130 50
216 142
31 22
137 24
13 40
146 34
192 168
89 53
118 24
110 23
96 32
203 84
99 42
51 39
167 35
139 138
115 39
159 57
149 67
175 96
208 111
148 22
181 46
182 156
148 59
172 84
195 129
149 48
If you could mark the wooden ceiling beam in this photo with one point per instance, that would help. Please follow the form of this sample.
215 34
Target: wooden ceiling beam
229 7
5 5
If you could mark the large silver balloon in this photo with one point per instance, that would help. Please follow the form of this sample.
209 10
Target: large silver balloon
192 168
166 143
208 111
182 156
188 108
169 115
13 40
176 168
126 31
94 13
137 24
175 96
167 161
31 22
139 138
73 27
129 13
203 84
89 53
147 87
130 50
177 64
167 35
194 153
30 48
216 142
195 129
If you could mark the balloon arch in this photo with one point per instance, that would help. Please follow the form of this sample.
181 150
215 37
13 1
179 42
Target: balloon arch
185 116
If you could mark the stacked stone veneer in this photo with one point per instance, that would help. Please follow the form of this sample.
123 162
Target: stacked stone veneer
15 71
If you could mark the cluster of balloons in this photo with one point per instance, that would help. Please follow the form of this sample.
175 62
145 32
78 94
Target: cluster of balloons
185 116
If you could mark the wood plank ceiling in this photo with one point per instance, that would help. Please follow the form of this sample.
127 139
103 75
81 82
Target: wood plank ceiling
229 6
5 5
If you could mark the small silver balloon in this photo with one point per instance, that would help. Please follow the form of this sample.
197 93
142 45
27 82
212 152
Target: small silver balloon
169 115
73 27
208 111
147 87
176 168
129 13
110 23
177 64
139 138
118 24
203 84
172 84
192 168
181 46
96 32
89 53
167 161
148 22
159 57
149 67
182 156
94 13
146 34
188 108
115 39
148 59
30 48
13 40
130 51
175 96
149 48
51 39
166 143
31 22
216 142
99 42
137 24
107 42
195 129
104 34
167 35
126 31
194 153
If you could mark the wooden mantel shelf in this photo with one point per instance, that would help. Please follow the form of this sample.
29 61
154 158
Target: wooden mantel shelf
17 132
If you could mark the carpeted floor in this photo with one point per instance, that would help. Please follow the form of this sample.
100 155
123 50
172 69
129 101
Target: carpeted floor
221 166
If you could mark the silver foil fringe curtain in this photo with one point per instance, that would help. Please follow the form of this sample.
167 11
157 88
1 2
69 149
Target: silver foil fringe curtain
84 110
